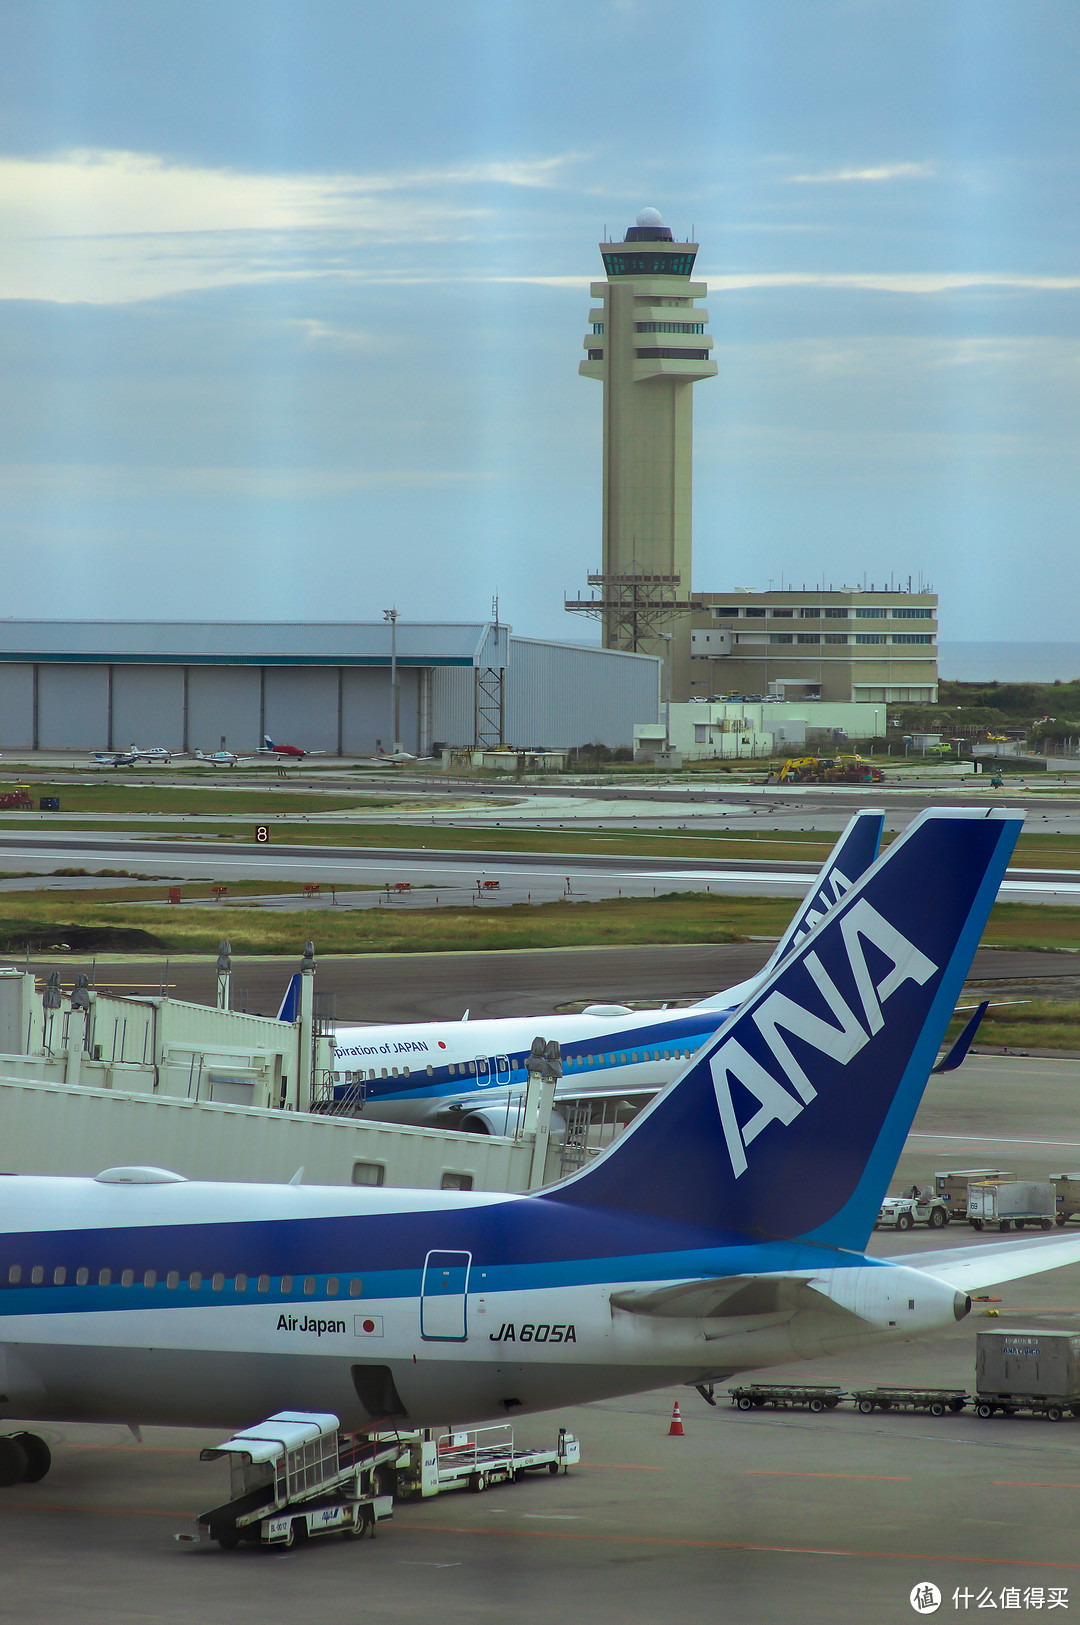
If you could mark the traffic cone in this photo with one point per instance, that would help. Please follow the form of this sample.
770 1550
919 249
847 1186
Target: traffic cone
675 1431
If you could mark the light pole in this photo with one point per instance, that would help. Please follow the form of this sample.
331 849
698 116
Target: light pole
391 615
667 693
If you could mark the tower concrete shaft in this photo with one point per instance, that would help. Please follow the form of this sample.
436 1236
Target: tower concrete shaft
648 346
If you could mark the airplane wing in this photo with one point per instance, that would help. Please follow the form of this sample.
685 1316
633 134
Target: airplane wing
726 1295
969 1269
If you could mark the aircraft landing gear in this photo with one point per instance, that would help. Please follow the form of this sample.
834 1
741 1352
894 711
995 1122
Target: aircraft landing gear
24 1459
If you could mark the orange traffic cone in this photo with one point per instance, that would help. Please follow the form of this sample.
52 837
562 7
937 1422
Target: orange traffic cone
675 1431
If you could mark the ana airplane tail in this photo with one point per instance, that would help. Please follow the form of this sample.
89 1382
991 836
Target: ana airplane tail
789 1123
848 861
290 1004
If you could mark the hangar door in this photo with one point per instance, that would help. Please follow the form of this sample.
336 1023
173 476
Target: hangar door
442 1297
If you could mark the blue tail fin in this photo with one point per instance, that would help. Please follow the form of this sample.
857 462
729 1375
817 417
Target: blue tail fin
290 1004
789 1123
848 861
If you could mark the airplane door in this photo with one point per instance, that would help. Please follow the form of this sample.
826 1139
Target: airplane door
500 1065
442 1297
484 1074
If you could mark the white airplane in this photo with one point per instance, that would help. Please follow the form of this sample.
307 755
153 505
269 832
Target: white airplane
135 753
221 758
724 1231
471 1075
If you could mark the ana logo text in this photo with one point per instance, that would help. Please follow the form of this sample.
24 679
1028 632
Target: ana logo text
777 1015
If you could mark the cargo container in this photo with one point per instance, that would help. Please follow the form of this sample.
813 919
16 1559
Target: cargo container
952 1185
1067 1195
1027 1370
1009 1203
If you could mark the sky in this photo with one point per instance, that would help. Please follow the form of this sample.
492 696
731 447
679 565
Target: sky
292 298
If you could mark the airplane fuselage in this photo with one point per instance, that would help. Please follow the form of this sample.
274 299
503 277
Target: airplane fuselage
219 1304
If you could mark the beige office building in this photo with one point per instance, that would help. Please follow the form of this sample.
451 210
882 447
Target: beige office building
850 645
648 346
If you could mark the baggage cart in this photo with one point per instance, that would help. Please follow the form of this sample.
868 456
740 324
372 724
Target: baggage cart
295 1476
1066 1196
951 1184
1036 1371
935 1400
431 1462
1011 1203
783 1396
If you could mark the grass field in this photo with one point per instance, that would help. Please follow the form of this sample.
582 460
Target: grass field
1038 1024
105 796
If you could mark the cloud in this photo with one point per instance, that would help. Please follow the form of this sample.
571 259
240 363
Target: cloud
872 173
909 282
103 227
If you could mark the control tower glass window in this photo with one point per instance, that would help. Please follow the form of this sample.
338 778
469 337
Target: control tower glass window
621 263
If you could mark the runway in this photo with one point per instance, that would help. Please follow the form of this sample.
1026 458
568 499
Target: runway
521 876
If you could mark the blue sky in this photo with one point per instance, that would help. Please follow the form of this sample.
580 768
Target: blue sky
292 298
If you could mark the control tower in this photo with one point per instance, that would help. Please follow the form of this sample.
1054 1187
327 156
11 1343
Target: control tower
648 346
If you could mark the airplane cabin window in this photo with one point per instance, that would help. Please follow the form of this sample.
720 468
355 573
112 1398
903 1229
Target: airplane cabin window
37 1275
405 1071
240 1284
286 1283
384 1072
217 1281
104 1277
127 1278
81 1277
452 1069
172 1280
150 1278
14 1274
356 1287
430 1070
264 1283
332 1286
393 1071
59 1275
194 1281
309 1286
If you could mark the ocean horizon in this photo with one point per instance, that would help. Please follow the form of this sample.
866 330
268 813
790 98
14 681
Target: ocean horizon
965 662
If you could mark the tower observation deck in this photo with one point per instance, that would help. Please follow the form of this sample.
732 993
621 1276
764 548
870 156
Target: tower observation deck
647 345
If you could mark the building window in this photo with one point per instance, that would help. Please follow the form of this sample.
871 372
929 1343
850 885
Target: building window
368 1173
699 733
836 614
781 637
808 637
598 327
912 614
654 263
912 637
836 637
782 614
596 355
863 614
456 1182
671 355
726 609
810 614
754 614
870 637
666 327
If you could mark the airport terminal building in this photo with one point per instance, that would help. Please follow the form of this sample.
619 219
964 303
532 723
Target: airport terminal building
102 685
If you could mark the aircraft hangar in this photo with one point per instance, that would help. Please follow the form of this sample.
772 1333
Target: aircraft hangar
92 685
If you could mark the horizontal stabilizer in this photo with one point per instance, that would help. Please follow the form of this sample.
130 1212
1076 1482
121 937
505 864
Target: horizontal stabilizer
958 1054
971 1268
726 1296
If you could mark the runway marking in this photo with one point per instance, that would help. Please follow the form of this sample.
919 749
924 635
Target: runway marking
988 1139
877 1478
623 1467
1032 1484
729 1545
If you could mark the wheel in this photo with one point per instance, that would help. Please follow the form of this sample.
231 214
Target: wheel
1006 1224
1019 1223
866 1406
976 1224
478 1483
904 1221
946 1215
936 1219
13 1462
553 1468
937 1408
984 1410
1047 1224
817 1405
38 1457
1060 1219
744 1402
1054 1413
228 1538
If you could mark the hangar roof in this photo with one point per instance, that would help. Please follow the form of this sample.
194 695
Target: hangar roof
252 643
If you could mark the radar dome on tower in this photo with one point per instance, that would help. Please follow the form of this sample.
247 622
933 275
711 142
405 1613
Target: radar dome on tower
650 217
650 228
